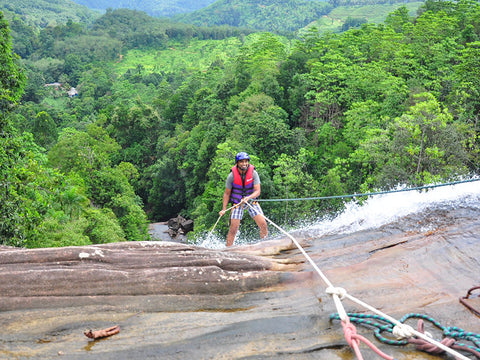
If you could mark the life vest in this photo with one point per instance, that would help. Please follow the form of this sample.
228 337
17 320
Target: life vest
242 185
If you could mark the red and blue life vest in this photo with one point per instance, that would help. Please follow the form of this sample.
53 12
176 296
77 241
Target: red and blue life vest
242 184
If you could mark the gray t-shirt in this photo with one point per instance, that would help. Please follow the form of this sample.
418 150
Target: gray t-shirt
229 182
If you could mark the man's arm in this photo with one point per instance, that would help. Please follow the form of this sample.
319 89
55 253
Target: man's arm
226 199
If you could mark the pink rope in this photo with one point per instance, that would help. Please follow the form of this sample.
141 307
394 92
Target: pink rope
423 345
353 339
433 349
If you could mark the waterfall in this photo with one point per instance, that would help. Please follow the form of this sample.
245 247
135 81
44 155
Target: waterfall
383 209
380 210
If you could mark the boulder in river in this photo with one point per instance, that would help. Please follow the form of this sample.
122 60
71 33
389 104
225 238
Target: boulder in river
179 226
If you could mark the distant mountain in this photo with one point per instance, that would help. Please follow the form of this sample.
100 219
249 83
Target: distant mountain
157 8
266 15
41 13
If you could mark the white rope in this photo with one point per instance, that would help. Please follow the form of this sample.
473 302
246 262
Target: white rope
211 231
214 226
400 330
336 298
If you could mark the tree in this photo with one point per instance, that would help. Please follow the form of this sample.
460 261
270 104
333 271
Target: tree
428 143
352 22
398 18
293 180
12 79
165 190
44 129
260 125
261 55
89 154
83 152
422 146
466 94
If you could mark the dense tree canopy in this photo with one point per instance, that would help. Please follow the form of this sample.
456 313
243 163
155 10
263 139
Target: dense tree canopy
44 13
151 7
281 16
151 135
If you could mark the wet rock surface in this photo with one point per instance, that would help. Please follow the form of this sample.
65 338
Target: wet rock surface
262 301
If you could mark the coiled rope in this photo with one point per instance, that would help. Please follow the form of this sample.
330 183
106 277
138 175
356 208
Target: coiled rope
451 334
400 330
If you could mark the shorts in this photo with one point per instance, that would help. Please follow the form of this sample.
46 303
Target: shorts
254 209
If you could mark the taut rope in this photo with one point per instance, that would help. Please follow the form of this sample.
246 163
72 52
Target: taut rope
400 330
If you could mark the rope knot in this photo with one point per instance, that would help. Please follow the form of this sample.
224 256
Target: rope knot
403 331
350 332
423 345
340 292
431 348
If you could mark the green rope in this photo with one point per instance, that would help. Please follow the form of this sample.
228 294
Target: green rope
373 193
381 324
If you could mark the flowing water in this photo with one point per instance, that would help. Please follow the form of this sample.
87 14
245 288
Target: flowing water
380 210
401 206
401 252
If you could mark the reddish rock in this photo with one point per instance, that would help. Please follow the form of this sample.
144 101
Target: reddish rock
129 268
175 301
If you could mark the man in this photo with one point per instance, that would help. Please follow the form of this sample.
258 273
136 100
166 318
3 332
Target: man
243 185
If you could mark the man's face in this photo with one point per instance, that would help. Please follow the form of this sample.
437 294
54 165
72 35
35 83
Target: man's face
243 164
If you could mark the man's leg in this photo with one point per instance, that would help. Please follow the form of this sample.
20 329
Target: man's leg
262 225
234 225
235 218
256 213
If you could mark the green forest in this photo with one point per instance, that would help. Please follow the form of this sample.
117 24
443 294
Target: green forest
279 16
109 125
151 7
42 13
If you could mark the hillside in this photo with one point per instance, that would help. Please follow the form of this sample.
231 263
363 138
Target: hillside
279 16
156 8
42 13
269 15
179 57
375 13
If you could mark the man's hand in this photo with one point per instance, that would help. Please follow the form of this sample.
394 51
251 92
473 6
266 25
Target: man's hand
222 212
246 199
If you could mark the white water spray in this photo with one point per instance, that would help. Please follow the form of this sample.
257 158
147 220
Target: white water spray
213 242
383 209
